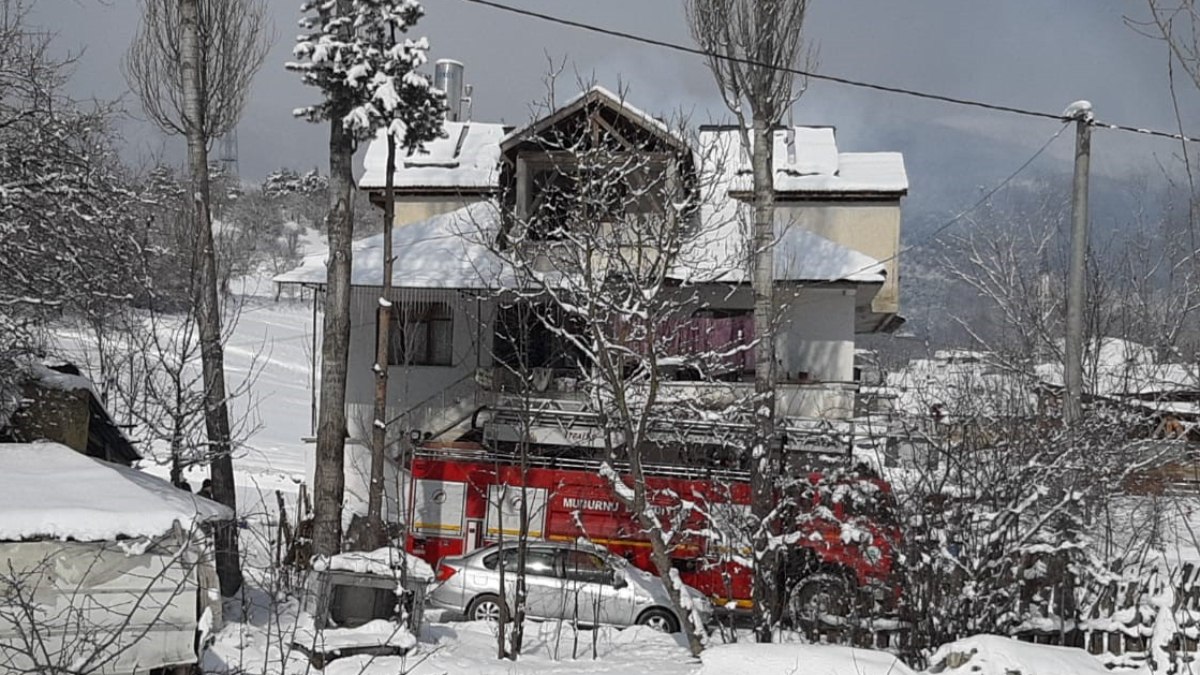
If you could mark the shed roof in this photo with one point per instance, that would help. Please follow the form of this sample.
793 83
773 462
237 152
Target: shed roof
48 490
450 252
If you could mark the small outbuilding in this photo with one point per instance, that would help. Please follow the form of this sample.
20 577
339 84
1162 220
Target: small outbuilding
57 403
103 568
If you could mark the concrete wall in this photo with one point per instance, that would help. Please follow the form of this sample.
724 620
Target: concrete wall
872 228
816 335
416 209
53 414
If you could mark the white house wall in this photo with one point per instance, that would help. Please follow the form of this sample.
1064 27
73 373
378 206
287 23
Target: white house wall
872 228
816 334
441 395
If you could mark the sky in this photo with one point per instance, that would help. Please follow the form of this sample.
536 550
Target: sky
1039 54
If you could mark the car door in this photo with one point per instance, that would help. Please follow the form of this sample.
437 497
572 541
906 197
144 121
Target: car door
590 593
543 587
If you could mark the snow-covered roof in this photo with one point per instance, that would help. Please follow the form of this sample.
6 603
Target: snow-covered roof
596 93
1121 368
48 490
447 251
800 255
807 162
50 378
467 158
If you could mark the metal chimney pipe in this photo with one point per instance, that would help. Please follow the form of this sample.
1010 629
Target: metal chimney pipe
448 76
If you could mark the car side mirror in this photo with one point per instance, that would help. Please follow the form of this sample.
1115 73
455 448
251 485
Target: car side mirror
618 580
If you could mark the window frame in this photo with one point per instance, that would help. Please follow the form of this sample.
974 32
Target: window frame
429 316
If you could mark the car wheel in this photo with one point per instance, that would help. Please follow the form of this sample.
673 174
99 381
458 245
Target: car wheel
819 596
485 608
660 620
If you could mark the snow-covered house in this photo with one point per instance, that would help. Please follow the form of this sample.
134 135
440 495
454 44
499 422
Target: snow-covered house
838 226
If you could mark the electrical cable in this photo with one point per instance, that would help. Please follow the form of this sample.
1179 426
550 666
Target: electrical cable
696 51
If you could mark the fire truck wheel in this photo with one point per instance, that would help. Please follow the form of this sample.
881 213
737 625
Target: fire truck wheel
485 608
818 596
660 620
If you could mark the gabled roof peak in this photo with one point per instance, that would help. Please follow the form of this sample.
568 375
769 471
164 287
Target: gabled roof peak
594 94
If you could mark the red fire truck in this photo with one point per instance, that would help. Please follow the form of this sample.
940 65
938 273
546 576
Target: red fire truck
460 497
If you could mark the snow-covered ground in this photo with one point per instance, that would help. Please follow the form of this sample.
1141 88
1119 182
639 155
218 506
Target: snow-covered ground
268 355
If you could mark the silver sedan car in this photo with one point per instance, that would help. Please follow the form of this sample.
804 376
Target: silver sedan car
563 581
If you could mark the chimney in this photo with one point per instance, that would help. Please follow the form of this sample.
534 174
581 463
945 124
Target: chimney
448 76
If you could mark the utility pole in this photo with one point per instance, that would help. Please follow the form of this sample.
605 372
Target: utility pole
1081 112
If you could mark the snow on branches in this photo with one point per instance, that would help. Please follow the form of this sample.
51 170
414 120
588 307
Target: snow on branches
369 78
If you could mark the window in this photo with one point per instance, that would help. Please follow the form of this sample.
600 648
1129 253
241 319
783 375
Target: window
422 335
537 562
585 567
583 188
530 336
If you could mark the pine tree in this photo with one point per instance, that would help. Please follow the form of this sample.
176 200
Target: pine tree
369 81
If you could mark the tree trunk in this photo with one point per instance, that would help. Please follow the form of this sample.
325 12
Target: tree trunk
660 554
376 533
330 479
206 305
763 464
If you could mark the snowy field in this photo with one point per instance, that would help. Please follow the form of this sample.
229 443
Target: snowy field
268 354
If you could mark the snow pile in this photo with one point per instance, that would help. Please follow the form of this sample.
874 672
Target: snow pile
996 655
49 490
786 659
385 562
377 633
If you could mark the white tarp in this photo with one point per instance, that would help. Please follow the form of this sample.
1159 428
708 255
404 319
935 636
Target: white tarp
96 607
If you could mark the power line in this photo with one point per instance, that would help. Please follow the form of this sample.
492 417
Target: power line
696 51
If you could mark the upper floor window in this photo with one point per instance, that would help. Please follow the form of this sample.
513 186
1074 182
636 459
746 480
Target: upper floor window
422 334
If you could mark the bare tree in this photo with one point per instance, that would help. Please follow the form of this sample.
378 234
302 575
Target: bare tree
1178 23
63 218
751 45
191 64
605 242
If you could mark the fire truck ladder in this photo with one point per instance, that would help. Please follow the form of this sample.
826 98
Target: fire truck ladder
553 425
